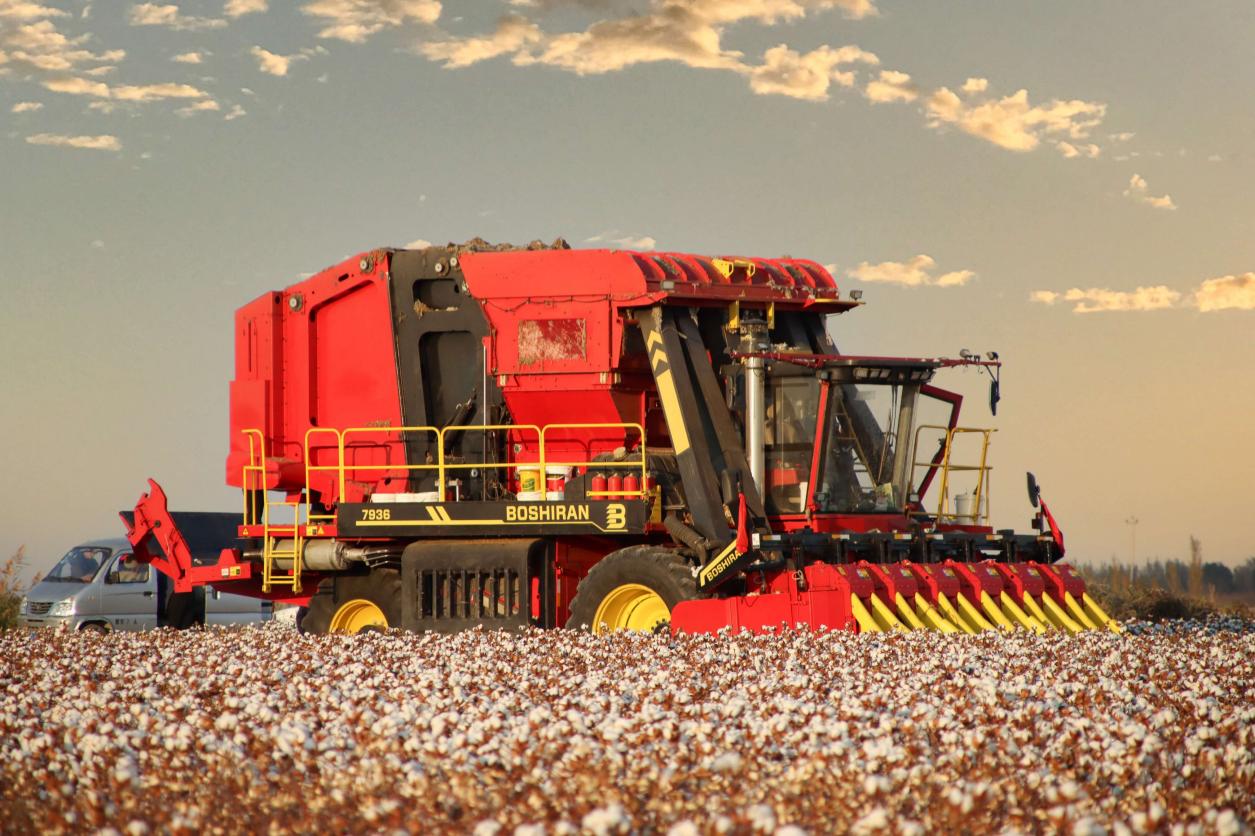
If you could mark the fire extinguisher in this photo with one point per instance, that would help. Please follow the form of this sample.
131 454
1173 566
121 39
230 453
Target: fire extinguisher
597 487
632 486
615 485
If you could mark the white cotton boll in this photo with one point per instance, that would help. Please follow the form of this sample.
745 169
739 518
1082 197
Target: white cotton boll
605 820
1088 827
1228 823
873 822
727 762
761 818
684 828
873 784
790 830
488 827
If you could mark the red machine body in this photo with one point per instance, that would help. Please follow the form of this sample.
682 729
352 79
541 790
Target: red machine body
478 431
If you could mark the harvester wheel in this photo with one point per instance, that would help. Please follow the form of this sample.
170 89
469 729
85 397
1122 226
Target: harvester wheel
632 589
355 604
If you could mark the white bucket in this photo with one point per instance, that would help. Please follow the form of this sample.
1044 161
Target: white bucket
529 496
555 496
964 506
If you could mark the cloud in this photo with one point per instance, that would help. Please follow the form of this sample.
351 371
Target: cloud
417 244
687 32
189 58
42 48
1226 292
914 272
356 20
1011 122
26 107
1123 136
154 92
1236 292
234 113
203 106
1100 299
238 8
170 17
1139 190
628 242
674 33
269 62
97 143
806 76
75 86
891 86
1071 151
513 34
19 10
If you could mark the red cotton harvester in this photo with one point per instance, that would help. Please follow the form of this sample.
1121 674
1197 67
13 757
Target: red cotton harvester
457 436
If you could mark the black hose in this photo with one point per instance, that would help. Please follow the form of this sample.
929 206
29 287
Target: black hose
685 535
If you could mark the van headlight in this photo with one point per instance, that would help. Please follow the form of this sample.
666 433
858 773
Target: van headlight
61 608
24 607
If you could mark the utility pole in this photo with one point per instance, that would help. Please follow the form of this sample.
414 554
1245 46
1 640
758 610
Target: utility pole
1132 522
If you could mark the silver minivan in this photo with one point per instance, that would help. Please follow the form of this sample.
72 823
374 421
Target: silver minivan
100 586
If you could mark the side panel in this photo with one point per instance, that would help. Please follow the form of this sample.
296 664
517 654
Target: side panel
320 353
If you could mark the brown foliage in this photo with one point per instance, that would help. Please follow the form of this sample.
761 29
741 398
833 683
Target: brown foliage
11 588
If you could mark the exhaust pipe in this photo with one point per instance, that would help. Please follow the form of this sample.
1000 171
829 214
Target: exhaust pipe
754 340
755 420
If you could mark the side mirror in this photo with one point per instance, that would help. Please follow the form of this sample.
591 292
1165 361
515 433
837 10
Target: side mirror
995 395
1034 492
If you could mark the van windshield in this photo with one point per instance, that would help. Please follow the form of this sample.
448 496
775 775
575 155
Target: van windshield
80 565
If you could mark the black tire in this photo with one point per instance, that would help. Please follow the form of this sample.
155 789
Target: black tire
95 627
662 570
382 587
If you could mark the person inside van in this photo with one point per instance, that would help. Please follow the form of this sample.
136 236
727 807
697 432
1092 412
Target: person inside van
84 565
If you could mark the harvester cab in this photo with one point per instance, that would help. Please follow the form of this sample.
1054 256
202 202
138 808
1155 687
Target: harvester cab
468 435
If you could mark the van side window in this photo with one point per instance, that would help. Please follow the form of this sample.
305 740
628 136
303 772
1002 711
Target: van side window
129 570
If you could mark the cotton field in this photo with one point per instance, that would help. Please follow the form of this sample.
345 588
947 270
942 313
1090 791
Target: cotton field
266 730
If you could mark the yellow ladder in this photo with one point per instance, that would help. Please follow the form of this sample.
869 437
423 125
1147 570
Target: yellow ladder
272 535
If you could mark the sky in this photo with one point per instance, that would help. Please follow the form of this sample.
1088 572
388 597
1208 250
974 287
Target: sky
1067 183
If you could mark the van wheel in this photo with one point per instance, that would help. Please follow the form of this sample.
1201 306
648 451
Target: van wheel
632 589
94 627
354 604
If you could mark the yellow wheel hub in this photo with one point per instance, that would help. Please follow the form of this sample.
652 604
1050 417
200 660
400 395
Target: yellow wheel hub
632 606
358 615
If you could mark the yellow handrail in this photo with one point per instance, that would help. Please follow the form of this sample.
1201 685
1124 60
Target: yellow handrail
344 440
344 434
256 453
640 430
309 511
983 470
440 479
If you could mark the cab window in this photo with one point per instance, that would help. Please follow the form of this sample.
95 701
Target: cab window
128 570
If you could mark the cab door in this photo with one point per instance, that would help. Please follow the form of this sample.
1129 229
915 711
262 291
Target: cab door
128 598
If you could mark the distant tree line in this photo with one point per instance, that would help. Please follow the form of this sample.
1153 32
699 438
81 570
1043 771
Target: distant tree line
1195 577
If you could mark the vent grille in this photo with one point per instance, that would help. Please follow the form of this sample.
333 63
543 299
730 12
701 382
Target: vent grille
471 595
39 607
